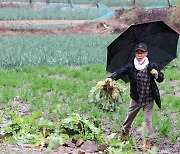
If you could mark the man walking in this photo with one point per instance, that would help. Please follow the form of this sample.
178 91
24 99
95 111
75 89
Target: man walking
142 74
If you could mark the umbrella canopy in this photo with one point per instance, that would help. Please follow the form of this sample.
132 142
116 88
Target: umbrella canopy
160 39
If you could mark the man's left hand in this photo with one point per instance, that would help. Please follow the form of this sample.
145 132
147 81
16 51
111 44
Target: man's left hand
154 72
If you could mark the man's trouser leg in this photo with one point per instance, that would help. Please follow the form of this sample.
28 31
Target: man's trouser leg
131 114
148 109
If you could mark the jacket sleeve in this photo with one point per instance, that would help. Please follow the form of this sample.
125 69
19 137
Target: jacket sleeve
160 76
120 73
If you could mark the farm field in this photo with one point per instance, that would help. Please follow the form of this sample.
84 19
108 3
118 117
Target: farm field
50 63
57 91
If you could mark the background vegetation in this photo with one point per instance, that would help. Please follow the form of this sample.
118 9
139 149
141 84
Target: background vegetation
106 2
51 13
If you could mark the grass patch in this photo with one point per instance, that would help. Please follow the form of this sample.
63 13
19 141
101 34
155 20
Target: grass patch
37 86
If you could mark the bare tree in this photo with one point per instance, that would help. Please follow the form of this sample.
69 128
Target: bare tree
96 2
70 2
134 3
169 3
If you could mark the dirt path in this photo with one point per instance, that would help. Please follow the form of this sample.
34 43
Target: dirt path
77 27
31 22
32 30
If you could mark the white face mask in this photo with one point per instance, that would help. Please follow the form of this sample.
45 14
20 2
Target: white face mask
142 64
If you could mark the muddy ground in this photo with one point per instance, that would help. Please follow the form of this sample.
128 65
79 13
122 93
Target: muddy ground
163 145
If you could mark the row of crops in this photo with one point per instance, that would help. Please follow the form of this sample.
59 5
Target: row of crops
107 2
70 50
76 14
53 50
60 11
63 11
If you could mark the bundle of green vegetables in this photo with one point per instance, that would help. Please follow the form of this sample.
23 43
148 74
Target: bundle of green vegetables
107 94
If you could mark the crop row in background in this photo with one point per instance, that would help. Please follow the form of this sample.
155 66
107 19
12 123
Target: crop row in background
106 2
53 50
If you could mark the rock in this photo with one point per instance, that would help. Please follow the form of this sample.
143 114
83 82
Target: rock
26 145
73 151
65 150
81 151
89 146
79 142
3 136
16 98
164 151
103 147
69 144
107 131
117 30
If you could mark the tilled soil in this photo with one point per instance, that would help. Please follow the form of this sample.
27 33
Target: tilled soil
163 146
101 27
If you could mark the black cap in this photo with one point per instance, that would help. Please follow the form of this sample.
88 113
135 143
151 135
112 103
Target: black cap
141 46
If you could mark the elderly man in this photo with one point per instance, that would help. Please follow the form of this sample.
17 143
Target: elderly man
143 89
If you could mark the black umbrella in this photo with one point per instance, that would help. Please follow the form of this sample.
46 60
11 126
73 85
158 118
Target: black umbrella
160 39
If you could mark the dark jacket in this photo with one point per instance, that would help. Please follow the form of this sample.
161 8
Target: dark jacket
131 71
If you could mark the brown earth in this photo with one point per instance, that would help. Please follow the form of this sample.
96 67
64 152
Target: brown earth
121 22
163 146
101 27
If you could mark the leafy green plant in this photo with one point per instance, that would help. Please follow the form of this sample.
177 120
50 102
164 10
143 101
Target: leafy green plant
78 127
116 146
107 94
45 125
39 131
